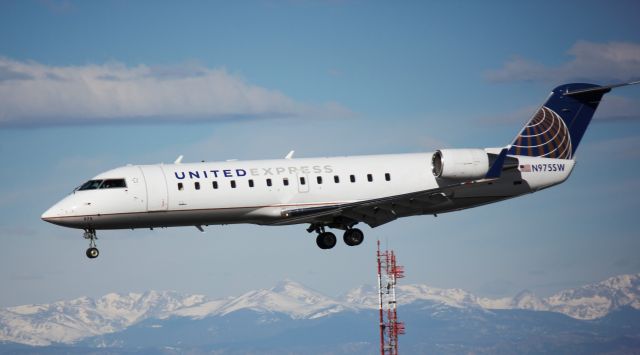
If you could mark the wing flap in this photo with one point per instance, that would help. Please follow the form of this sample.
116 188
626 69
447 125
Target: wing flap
378 211
372 215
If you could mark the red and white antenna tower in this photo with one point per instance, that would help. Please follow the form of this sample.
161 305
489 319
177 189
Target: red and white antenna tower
390 327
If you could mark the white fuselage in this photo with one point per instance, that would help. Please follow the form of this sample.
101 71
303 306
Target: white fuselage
336 193
261 191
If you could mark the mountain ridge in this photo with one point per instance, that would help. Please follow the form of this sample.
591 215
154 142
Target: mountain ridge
68 322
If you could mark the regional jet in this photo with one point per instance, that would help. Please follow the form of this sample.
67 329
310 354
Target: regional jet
335 193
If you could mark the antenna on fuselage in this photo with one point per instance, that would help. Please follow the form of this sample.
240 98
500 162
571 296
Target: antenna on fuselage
290 155
179 160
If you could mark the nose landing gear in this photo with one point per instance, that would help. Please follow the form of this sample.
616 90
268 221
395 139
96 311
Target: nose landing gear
92 252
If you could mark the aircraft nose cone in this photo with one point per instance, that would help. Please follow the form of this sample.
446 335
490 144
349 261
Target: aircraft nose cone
49 214
64 213
57 215
57 211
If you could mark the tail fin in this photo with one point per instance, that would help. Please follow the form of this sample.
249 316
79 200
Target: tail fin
557 128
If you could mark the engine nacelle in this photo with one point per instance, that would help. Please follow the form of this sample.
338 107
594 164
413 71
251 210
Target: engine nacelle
460 163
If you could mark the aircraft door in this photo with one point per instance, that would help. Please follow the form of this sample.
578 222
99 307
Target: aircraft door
156 182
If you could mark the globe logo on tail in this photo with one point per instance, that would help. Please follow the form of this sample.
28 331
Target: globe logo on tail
546 135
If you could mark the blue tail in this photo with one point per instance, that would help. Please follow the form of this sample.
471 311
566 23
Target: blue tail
557 128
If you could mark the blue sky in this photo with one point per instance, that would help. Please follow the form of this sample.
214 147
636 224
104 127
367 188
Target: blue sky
87 86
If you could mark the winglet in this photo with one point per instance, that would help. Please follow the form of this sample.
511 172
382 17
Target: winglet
178 160
290 155
496 169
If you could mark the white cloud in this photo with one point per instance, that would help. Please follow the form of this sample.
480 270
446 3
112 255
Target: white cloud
34 93
620 148
618 108
612 108
514 117
599 62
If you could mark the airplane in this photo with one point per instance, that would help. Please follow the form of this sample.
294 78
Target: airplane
339 192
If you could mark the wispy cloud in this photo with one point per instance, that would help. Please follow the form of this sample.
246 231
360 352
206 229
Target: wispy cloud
613 108
618 108
16 231
621 148
599 62
58 6
37 94
515 117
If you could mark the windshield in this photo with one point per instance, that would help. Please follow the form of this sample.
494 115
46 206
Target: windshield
103 184
90 185
113 183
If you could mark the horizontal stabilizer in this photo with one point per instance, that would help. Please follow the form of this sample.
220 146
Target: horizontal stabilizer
597 90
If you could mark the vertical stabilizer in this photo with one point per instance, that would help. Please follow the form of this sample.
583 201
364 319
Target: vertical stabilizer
558 126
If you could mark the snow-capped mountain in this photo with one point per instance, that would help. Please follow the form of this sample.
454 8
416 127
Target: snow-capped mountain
523 300
367 296
587 302
288 297
70 321
598 299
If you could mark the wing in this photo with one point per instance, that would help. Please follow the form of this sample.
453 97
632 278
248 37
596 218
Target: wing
378 211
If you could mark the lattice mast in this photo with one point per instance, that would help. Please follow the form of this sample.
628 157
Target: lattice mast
390 327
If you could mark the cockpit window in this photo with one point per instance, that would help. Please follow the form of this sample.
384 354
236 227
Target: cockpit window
103 184
113 183
90 185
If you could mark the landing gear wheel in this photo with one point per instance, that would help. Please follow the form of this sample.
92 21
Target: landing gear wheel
326 240
92 253
353 237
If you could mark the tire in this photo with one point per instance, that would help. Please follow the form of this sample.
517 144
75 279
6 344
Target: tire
326 240
353 237
92 253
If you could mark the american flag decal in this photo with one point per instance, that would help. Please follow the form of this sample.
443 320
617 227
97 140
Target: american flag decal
525 168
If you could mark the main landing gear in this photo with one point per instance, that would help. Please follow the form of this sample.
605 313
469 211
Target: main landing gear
353 237
327 240
92 252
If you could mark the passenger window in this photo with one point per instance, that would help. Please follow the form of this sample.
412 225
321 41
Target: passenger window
113 183
180 187
369 177
285 181
90 185
215 184
250 183
268 182
387 177
303 181
352 178
336 179
233 184
319 180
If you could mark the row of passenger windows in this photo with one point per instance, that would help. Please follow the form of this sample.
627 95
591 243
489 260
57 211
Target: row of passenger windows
285 181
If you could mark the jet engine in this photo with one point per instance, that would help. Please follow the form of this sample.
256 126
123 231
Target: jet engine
460 163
